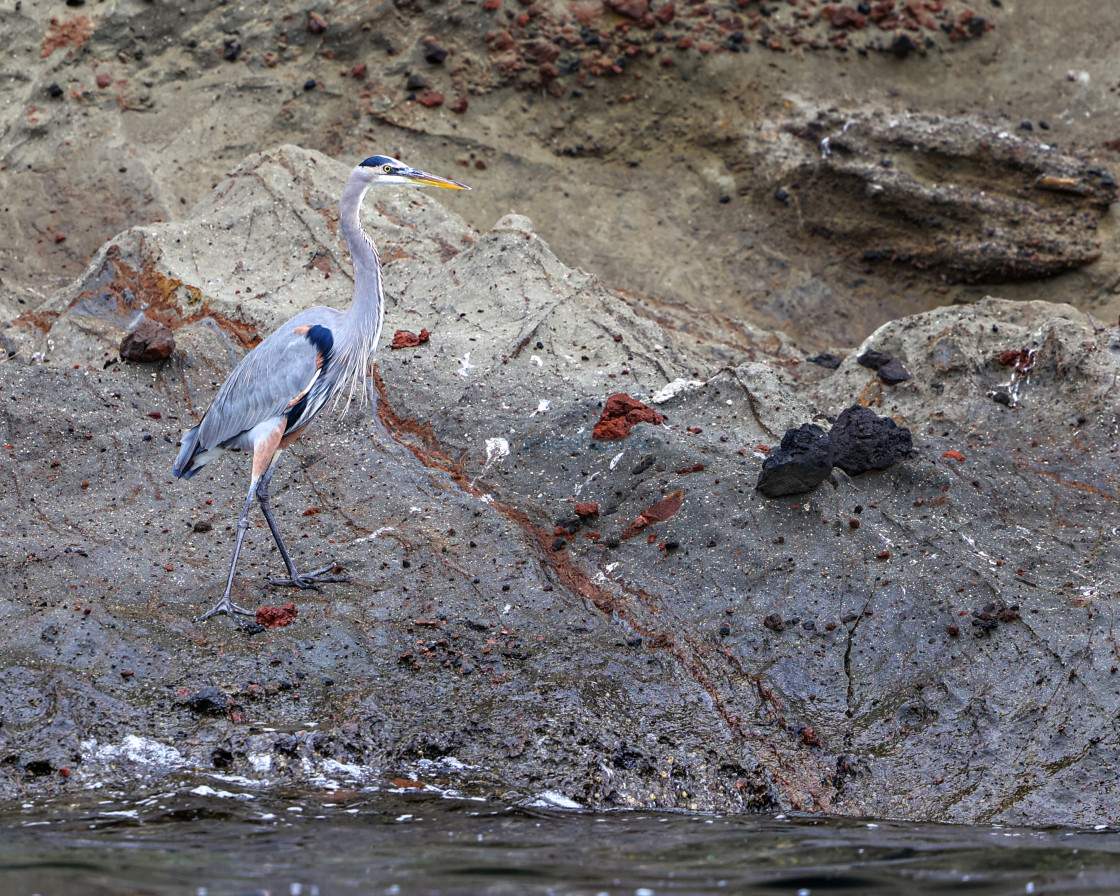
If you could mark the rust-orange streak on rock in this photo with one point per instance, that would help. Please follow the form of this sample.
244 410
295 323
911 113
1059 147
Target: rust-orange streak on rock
1069 483
576 580
161 295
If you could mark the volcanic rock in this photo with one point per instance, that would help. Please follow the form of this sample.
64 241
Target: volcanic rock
621 414
803 462
863 441
448 484
150 341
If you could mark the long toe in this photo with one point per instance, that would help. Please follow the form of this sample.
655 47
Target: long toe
304 583
312 580
227 606
319 577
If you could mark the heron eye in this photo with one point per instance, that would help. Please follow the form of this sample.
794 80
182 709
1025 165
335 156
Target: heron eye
388 169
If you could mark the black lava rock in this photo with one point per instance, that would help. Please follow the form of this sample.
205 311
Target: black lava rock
873 360
434 54
890 369
827 360
902 46
803 462
210 701
893 372
862 441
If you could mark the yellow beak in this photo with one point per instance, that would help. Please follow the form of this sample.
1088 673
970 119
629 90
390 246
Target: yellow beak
422 178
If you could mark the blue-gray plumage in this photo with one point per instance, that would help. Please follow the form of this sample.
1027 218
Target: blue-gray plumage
282 384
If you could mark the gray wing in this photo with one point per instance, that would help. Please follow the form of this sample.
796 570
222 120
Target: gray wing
271 379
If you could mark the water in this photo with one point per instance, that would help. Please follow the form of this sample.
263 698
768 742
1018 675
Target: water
209 842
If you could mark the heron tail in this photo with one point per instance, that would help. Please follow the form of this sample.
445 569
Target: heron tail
190 459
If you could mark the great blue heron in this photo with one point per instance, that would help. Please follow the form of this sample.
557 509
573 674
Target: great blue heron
283 383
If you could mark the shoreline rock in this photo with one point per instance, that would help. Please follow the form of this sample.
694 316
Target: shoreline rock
471 650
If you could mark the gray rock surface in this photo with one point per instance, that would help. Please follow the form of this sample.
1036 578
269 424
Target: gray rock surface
949 657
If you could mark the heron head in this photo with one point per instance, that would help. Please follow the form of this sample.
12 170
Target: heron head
384 170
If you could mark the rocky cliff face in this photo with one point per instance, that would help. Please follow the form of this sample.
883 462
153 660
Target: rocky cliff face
674 149
534 609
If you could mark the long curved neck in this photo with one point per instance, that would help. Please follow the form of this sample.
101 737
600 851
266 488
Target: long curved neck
362 321
367 309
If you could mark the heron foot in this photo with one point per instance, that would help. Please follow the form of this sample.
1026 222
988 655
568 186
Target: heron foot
311 580
227 606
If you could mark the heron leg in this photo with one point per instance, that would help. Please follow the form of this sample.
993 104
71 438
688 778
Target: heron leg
226 605
300 580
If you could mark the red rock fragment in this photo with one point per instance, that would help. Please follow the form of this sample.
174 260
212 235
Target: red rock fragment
430 98
150 341
809 737
631 9
1022 359
316 24
953 455
542 51
843 17
405 339
655 513
621 414
666 13
695 468
881 10
503 41
358 71
587 13
587 511
492 5
104 79
276 617
460 105
73 32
